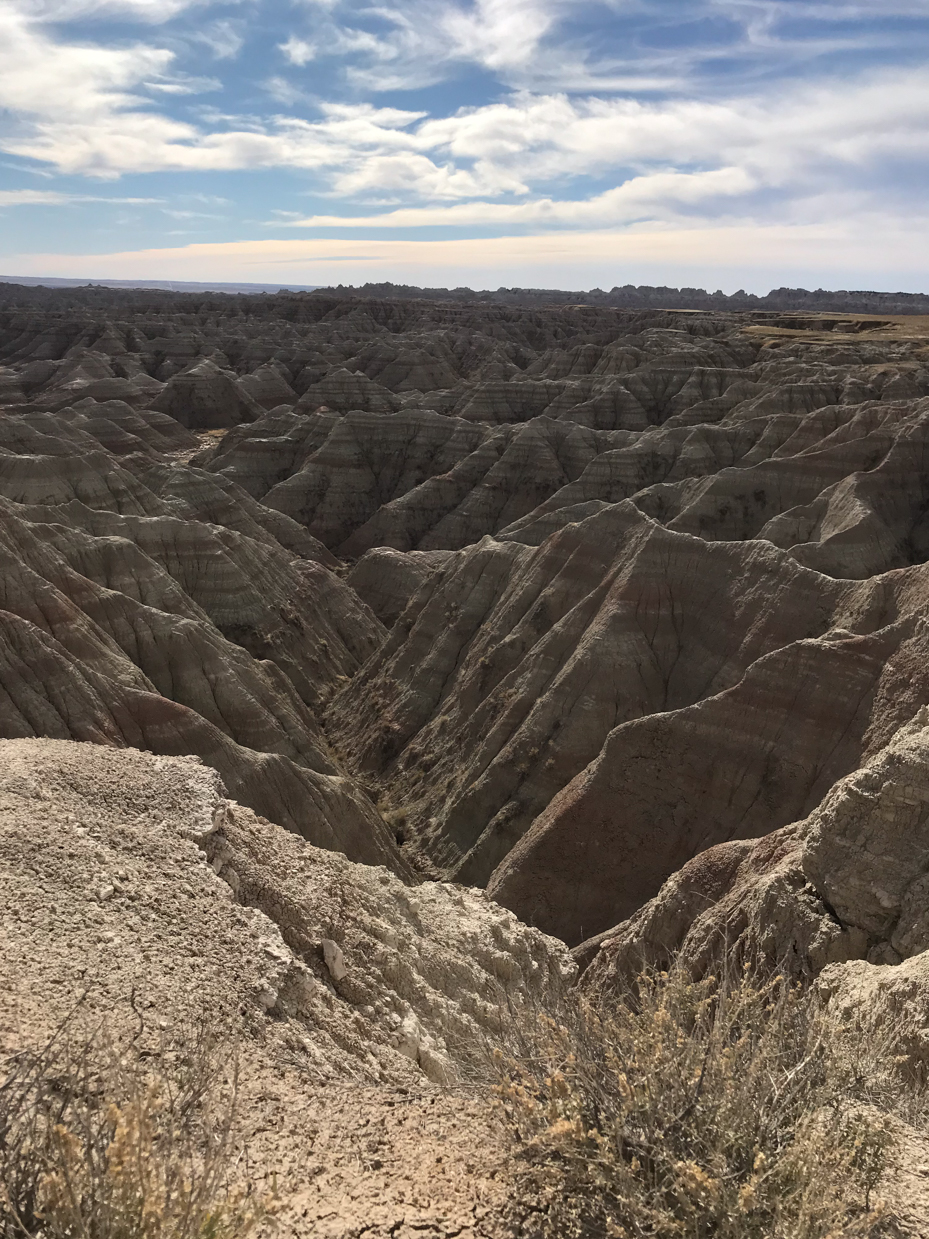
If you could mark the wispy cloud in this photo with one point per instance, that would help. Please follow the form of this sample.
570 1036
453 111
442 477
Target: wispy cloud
224 38
80 115
818 10
154 12
625 45
737 254
29 169
182 84
405 44
636 198
284 91
38 197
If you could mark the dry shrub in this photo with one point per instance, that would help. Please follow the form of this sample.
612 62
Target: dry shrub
725 1107
100 1141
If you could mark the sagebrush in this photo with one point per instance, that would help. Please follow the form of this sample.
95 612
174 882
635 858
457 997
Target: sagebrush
101 1141
729 1107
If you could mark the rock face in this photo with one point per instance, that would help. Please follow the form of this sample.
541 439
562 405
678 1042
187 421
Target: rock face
107 852
543 712
845 883
387 580
203 397
342 390
548 599
101 642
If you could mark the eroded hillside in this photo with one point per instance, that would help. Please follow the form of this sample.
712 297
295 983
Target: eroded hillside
544 600
618 615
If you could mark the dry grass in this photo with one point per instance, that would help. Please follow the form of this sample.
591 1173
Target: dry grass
728 1108
99 1141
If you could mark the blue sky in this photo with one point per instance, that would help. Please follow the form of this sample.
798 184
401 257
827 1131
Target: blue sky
731 143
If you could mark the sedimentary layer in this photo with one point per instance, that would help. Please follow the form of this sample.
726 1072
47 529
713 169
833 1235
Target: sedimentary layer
545 599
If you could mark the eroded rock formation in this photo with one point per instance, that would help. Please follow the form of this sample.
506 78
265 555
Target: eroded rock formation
847 882
140 906
550 598
617 615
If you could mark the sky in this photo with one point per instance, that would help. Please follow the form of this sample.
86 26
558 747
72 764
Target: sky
534 143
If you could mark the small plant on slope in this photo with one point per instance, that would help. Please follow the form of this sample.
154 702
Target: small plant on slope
94 1144
717 1109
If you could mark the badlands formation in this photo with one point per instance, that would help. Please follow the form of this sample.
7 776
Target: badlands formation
415 645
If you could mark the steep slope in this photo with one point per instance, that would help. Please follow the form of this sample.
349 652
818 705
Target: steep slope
190 621
690 674
847 882
572 591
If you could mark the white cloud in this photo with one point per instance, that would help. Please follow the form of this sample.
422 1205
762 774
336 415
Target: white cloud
411 174
818 10
224 38
58 81
150 11
419 41
30 197
847 123
623 204
527 44
182 84
43 173
298 51
498 33
85 118
39 197
283 91
175 214
79 109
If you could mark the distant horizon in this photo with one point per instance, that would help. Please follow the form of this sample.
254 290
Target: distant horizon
54 281
256 288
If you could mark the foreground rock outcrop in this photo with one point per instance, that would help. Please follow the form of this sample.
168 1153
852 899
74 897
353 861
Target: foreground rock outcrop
136 894
110 853
138 901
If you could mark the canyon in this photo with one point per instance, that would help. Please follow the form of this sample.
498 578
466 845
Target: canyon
554 639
